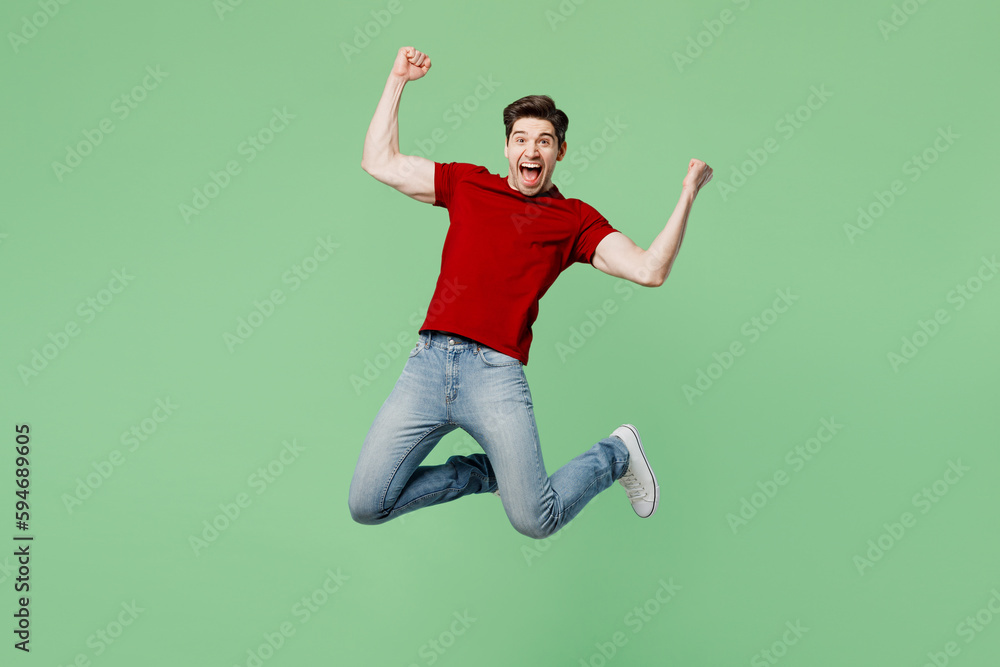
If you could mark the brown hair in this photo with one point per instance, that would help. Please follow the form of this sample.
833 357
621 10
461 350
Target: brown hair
536 106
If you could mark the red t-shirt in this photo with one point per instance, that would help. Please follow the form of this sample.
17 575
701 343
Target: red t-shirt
502 252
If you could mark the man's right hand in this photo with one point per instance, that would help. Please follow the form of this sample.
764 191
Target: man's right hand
411 64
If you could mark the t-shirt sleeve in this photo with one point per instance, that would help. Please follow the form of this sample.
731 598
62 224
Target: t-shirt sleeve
593 228
447 175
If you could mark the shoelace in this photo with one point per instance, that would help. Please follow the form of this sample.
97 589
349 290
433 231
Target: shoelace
632 486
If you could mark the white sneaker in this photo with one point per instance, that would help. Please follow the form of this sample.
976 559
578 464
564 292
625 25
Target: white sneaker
639 480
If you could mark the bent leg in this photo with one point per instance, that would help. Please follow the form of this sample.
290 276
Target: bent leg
388 480
500 416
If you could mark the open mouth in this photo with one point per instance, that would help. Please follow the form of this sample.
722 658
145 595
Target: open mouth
531 172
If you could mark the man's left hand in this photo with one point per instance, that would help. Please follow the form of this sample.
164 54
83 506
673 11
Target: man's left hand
698 175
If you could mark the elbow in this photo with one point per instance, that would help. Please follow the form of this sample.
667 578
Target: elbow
651 271
370 170
369 160
375 167
647 279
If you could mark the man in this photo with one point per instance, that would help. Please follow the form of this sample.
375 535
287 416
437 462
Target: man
508 239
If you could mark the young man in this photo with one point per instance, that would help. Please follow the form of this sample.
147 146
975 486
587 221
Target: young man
508 239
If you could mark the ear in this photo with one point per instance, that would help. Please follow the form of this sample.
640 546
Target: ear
505 149
562 152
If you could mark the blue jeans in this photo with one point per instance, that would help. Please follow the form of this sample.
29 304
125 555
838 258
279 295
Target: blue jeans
449 382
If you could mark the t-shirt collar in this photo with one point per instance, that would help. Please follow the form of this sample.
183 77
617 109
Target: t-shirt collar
552 192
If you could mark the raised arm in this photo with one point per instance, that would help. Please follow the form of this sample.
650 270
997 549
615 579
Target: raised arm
410 174
619 256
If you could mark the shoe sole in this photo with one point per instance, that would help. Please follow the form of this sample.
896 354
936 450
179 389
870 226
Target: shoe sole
656 485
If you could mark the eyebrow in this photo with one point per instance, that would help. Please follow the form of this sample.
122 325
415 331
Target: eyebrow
543 134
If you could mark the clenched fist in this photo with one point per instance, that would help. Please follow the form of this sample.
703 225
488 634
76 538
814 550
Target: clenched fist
698 175
411 64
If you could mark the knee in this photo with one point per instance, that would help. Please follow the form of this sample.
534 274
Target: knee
535 529
361 516
362 508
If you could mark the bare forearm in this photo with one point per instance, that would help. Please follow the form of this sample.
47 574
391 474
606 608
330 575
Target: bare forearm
659 258
382 139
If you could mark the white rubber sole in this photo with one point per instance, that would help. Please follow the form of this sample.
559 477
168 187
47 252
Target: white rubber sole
645 462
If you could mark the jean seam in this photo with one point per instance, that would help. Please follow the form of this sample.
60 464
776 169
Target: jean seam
531 418
581 496
625 460
403 507
539 472
395 468
479 353
418 347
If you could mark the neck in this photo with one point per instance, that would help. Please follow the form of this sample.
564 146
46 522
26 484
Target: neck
510 183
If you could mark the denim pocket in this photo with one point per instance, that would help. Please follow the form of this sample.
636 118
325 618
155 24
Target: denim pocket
416 348
492 357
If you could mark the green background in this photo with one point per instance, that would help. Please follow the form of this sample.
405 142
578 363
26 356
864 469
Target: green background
558 601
